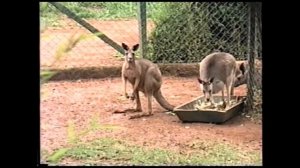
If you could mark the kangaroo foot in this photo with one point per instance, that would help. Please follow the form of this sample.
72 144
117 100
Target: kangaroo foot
138 110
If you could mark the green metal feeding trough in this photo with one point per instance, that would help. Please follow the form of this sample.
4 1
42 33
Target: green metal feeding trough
188 113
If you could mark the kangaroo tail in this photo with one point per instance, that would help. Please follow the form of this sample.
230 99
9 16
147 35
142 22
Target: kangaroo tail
162 101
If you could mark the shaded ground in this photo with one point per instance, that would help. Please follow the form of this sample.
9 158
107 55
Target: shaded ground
80 102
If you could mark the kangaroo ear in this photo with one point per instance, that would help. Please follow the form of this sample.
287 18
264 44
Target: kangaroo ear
135 47
242 68
211 80
125 47
199 80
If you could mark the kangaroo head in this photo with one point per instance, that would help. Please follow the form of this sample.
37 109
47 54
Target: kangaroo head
129 52
240 71
240 75
206 87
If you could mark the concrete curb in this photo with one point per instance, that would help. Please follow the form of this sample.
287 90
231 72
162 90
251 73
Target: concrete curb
179 70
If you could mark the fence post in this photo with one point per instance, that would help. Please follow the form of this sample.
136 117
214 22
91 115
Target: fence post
251 55
259 30
142 21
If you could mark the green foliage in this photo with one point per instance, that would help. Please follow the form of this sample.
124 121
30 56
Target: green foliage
57 155
45 76
49 15
203 153
98 10
92 10
185 32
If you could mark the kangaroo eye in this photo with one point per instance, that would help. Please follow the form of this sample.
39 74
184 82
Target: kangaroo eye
209 91
203 91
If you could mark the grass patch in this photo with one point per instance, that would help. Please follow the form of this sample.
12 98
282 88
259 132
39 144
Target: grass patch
107 150
74 141
57 155
213 153
102 10
49 16
75 136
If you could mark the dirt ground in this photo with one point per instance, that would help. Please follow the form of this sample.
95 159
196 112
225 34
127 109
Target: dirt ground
81 101
91 52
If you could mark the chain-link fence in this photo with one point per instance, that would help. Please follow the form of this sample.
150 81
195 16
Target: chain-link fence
178 32
117 21
185 32
89 33
254 78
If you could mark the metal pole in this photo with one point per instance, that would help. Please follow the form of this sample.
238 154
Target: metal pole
251 55
142 19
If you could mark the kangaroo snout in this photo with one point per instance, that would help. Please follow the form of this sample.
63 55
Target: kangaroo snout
129 59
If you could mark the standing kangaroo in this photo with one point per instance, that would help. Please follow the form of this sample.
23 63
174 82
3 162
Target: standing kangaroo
217 67
144 76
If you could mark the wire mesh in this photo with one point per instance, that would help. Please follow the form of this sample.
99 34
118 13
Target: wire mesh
186 32
91 51
177 32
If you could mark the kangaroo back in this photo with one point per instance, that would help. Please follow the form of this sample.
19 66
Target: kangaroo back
218 66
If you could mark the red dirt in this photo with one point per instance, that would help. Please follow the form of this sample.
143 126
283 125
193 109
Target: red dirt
91 52
80 101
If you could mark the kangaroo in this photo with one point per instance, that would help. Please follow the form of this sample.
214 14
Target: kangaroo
218 67
242 79
144 76
239 74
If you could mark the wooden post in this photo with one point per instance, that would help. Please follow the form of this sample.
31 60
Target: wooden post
142 20
251 55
